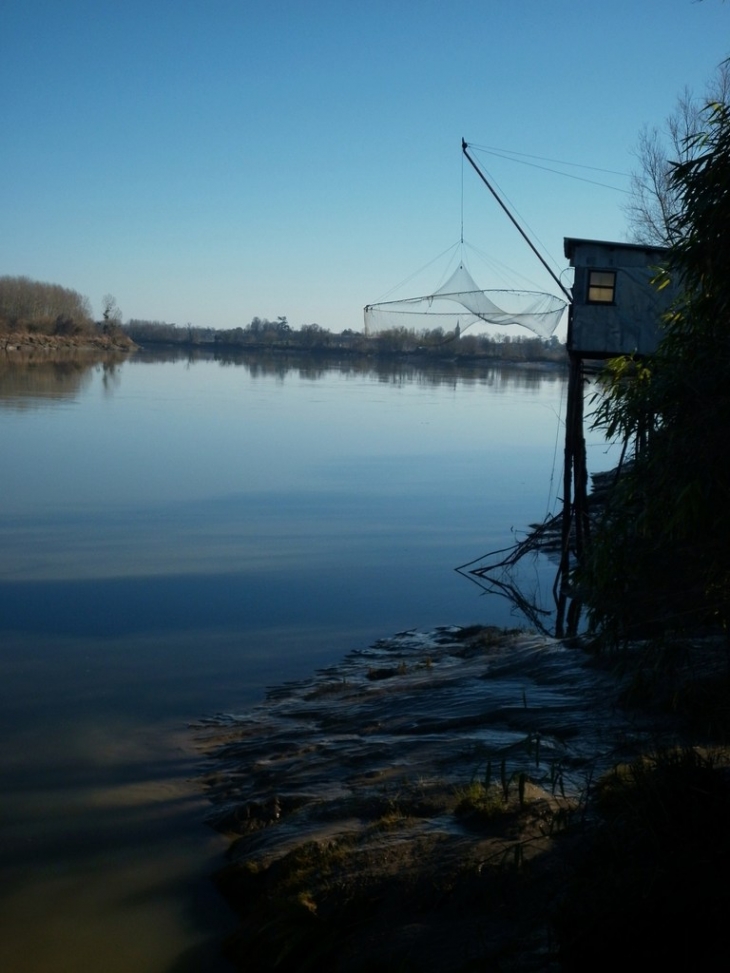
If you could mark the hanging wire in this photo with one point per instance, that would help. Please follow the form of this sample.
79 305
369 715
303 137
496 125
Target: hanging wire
510 156
522 219
560 424
508 153
454 246
498 269
462 198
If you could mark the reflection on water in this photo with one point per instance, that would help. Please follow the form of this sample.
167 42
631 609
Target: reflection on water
30 379
389 370
179 531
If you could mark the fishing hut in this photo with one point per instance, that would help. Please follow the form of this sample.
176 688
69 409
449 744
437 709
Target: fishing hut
615 310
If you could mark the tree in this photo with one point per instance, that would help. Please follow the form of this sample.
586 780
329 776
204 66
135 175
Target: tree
661 557
314 336
110 310
33 305
655 201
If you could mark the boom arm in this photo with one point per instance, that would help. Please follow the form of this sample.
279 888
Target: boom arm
528 241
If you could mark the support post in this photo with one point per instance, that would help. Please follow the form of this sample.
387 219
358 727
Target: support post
575 522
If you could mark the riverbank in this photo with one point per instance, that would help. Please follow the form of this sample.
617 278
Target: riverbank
26 342
419 806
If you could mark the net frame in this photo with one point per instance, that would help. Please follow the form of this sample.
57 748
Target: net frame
460 303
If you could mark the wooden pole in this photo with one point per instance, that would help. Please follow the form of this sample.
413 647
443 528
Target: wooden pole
573 432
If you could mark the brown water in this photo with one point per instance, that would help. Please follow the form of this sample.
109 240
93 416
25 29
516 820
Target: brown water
105 864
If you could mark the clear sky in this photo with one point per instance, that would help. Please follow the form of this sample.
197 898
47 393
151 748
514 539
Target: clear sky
206 162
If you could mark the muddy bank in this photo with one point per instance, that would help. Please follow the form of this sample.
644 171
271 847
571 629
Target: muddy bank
25 343
409 807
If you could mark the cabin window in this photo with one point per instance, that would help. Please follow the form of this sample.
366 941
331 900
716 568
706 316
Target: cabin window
601 286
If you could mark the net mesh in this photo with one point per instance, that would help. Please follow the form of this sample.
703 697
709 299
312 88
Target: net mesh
460 302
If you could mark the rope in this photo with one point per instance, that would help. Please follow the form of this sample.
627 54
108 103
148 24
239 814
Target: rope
509 156
560 422
381 300
462 199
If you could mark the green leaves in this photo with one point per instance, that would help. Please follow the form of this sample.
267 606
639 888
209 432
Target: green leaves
660 558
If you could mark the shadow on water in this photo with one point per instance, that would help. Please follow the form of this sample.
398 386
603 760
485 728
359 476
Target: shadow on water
169 604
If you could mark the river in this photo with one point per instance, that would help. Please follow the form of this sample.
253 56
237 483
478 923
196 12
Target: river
179 533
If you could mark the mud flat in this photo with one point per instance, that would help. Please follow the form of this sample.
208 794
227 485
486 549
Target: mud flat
409 808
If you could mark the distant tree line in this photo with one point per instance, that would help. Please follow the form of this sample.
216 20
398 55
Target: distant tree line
262 334
35 307
29 305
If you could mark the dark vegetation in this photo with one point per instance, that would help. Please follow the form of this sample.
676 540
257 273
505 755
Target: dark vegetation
278 336
659 560
649 878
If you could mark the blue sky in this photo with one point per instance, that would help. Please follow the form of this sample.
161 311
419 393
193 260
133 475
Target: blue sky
208 162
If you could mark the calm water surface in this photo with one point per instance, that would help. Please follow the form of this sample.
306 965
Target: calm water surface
175 536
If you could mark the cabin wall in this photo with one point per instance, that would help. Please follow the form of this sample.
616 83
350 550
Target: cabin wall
631 323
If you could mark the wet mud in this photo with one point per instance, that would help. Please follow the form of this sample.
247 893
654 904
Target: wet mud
401 809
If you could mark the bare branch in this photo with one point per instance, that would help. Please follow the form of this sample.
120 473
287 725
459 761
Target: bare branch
654 202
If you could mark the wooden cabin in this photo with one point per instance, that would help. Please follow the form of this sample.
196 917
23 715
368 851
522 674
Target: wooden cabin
616 309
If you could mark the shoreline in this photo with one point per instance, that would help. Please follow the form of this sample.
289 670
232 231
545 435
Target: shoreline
21 343
413 807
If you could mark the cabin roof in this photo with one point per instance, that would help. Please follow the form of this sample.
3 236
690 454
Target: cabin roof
570 243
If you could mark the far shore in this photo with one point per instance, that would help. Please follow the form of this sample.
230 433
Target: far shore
26 341
18 343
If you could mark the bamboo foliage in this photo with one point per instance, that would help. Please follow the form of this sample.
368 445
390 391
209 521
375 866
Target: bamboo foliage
661 557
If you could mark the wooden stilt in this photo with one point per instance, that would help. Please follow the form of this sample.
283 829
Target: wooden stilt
575 523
